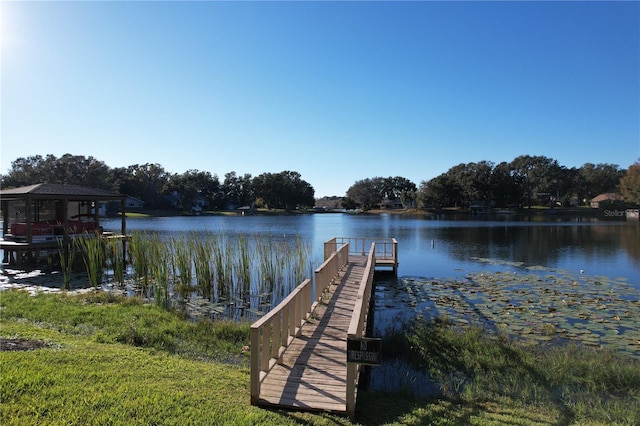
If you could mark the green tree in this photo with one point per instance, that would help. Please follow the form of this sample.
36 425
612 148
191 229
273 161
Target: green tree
26 171
146 182
195 189
593 179
68 169
81 170
400 188
365 193
237 190
535 176
284 190
504 191
630 184
441 191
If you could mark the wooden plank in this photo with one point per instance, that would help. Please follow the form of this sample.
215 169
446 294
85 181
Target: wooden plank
313 370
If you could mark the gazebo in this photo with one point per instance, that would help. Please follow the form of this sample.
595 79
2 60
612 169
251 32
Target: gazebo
36 217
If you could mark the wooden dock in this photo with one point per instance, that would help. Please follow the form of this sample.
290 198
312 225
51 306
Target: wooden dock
313 371
308 369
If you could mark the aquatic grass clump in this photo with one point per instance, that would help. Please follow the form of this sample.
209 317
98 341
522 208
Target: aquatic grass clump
211 274
243 267
182 267
92 248
474 366
283 265
160 271
223 270
115 259
204 265
140 244
66 255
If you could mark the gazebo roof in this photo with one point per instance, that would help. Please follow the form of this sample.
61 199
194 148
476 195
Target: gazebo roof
55 191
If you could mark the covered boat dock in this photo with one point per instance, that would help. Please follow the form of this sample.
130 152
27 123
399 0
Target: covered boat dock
44 216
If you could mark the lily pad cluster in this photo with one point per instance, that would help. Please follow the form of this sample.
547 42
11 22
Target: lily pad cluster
534 303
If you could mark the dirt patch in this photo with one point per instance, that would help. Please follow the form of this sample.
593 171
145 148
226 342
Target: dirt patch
20 344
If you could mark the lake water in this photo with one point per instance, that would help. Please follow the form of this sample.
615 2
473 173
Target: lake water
441 247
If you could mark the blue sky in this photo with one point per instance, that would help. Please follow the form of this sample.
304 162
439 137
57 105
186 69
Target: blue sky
337 91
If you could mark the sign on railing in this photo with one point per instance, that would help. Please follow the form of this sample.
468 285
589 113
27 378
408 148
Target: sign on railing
364 350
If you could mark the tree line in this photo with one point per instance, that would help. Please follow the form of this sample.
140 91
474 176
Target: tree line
524 182
527 181
159 189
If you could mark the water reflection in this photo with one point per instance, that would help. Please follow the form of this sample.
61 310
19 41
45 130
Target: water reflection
432 247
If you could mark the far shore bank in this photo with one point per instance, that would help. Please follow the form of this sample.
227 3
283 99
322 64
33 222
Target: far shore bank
533 211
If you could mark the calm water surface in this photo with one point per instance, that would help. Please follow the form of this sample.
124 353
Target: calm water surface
431 247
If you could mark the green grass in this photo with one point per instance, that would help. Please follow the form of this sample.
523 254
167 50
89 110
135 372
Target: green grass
575 383
113 360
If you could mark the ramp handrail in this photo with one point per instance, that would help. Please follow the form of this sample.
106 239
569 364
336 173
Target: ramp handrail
386 248
356 327
326 273
274 332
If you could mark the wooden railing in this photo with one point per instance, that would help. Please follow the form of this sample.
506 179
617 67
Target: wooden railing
385 248
357 326
273 333
326 273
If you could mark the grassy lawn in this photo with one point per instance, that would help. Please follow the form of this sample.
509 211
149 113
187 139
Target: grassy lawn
112 360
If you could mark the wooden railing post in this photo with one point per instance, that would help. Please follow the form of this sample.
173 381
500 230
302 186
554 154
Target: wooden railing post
395 256
277 331
255 365
352 372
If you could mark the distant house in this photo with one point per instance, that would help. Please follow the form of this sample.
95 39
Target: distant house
245 210
606 198
199 205
133 202
129 202
390 204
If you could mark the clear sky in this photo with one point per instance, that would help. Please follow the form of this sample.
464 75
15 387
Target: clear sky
337 91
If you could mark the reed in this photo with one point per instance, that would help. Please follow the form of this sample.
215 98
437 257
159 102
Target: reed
302 263
474 366
243 267
222 267
202 246
115 259
93 256
183 267
268 260
139 254
160 272
67 255
239 273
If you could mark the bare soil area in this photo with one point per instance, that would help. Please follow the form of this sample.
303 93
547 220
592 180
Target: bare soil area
9 344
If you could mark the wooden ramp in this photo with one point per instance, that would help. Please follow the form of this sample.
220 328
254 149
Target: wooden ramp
312 374
299 348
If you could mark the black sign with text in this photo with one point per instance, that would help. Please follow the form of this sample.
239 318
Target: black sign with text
364 350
